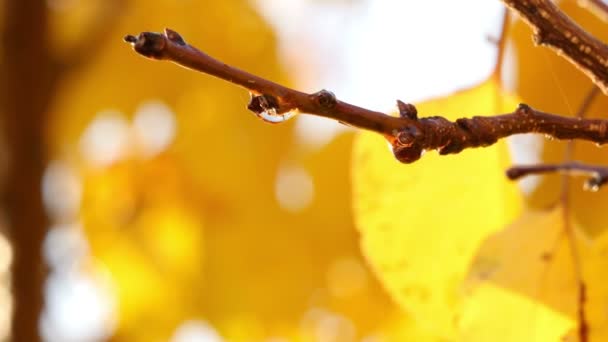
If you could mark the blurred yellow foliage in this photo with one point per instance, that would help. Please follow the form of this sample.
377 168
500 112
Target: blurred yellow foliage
196 231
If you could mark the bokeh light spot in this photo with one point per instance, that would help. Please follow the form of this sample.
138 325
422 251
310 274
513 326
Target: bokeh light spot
61 190
65 247
154 126
79 308
196 331
106 140
294 188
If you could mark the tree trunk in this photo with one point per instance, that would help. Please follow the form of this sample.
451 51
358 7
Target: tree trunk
26 79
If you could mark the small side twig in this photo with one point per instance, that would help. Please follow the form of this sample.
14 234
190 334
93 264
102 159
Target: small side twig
409 134
554 29
598 174
501 45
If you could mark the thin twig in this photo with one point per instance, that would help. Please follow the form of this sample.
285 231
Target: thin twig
501 45
408 134
554 29
598 174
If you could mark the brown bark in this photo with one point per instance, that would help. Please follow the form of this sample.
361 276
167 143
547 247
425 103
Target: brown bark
554 29
26 81
409 135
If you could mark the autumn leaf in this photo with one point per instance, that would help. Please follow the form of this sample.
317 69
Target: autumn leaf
526 275
421 224
522 284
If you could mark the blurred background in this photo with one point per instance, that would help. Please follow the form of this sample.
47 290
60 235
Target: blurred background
143 202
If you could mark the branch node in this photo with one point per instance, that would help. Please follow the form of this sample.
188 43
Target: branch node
408 136
325 98
407 110
174 37
523 109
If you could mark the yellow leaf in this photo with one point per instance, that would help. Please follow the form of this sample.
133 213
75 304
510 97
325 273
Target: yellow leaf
522 285
422 223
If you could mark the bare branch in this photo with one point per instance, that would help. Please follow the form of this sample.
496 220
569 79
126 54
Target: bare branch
554 29
408 134
598 174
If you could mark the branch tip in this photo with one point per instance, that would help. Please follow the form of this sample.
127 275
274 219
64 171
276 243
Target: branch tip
148 44
130 39
523 108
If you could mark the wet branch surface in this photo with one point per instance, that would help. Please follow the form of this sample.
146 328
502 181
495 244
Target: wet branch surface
554 29
409 134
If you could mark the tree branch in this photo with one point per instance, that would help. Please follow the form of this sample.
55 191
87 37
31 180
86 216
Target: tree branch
554 29
568 167
598 174
408 134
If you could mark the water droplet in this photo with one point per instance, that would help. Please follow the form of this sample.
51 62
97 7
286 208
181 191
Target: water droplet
599 144
592 185
271 116
266 108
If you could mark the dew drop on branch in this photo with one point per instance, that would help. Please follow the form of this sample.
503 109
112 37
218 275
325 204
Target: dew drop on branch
271 116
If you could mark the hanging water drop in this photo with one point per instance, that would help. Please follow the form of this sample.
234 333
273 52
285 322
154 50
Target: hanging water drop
271 116
266 108
592 185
